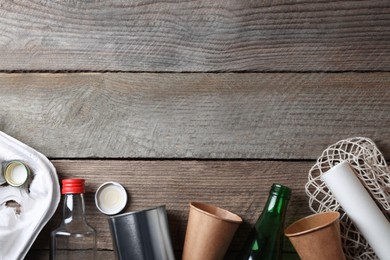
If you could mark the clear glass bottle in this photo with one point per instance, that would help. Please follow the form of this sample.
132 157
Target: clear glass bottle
74 238
265 240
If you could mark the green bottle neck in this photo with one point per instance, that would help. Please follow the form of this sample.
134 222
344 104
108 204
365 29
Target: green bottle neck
275 209
276 205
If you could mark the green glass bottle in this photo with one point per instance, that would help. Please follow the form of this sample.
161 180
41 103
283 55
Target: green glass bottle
266 238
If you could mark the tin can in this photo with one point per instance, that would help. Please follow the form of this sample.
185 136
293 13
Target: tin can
142 235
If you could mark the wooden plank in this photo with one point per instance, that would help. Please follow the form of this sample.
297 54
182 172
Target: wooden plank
239 186
106 255
191 115
45 254
202 35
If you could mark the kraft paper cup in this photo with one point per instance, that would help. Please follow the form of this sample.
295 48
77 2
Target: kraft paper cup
209 232
317 237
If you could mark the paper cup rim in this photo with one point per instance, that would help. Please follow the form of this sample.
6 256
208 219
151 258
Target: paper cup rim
334 213
228 216
123 194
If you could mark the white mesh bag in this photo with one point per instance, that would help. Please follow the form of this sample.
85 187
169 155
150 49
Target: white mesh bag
371 168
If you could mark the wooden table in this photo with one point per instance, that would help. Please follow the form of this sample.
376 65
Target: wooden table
209 101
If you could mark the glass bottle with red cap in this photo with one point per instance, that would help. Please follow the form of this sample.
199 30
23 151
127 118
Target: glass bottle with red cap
74 238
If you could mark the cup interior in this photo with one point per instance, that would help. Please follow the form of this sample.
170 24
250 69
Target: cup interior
312 223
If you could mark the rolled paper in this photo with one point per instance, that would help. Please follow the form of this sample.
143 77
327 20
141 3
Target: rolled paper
360 207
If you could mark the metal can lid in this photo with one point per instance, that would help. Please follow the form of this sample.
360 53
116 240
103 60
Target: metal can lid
16 173
111 198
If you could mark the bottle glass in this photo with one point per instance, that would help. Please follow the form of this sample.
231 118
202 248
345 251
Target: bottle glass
74 238
265 240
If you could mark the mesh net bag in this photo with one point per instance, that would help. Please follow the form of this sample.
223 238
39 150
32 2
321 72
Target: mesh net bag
371 168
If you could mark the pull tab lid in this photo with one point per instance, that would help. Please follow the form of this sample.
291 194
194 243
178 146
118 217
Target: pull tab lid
111 198
73 185
16 173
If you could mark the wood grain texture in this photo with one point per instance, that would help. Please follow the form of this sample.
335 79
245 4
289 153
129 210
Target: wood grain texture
202 35
120 125
45 254
108 255
187 115
239 186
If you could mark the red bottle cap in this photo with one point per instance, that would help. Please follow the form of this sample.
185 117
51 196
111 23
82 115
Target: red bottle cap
73 186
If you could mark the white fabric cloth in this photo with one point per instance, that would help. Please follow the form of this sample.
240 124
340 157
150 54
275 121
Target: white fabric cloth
38 202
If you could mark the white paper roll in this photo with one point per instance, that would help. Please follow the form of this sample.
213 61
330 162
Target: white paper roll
360 207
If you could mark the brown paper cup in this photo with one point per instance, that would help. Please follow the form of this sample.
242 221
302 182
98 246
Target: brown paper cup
209 232
317 237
